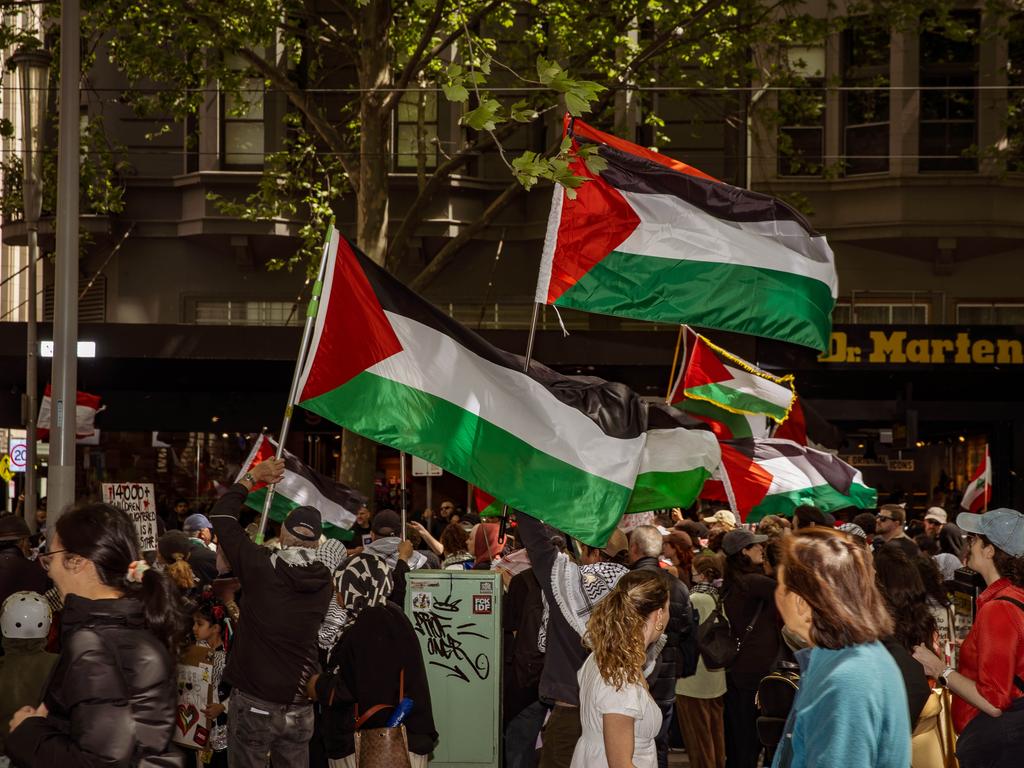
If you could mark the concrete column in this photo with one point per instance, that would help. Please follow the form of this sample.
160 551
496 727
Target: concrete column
904 105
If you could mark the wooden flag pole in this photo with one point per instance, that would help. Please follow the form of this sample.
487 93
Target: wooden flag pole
526 369
307 336
675 359
988 486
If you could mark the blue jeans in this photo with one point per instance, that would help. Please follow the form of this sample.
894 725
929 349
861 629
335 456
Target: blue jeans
259 729
521 736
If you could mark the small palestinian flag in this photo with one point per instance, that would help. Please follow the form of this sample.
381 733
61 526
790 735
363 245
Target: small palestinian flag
651 238
386 364
979 490
304 486
774 477
86 408
486 505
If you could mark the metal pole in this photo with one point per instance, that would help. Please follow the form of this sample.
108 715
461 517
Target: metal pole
65 308
401 480
300 363
526 369
32 379
430 493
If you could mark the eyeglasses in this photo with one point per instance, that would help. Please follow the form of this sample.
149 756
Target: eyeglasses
44 558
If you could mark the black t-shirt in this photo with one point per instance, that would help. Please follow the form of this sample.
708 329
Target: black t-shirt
914 679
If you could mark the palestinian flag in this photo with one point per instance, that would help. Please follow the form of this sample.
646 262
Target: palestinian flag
303 486
386 364
654 239
774 477
979 490
715 376
486 505
86 408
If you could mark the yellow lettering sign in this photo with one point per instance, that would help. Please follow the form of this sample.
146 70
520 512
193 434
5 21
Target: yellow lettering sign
983 352
887 349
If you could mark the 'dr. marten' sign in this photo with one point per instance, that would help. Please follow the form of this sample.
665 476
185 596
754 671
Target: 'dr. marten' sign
925 345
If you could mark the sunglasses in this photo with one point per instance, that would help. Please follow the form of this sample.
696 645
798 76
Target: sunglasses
884 517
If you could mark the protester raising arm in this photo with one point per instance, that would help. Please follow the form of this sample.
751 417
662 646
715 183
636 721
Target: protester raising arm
240 550
429 540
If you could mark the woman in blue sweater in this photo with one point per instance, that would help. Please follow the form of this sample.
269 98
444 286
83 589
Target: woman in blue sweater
851 709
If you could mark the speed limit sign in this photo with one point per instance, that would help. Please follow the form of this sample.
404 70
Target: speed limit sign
19 454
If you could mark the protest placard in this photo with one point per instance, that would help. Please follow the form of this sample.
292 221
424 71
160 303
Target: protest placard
191 726
139 501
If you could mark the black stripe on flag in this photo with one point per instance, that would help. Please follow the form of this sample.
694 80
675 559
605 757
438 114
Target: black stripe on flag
630 173
332 490
835 472
615 408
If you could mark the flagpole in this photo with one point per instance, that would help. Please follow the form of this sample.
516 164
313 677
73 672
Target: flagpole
675 359
401 475
988 472
300 362
526 369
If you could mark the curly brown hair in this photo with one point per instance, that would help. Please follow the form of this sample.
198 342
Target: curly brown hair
454 539
615 631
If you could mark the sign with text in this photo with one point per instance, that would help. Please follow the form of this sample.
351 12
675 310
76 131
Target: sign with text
924 345
139 501
19 454
423 468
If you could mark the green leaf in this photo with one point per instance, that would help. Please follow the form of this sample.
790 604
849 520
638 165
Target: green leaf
484 117
578 93
455 92
522 112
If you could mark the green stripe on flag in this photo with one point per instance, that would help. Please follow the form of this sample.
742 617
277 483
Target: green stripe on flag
732 297
736 400
824 497
282 505
738 424
477 451
663 490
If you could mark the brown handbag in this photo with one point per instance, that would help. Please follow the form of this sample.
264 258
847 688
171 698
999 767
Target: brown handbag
382 747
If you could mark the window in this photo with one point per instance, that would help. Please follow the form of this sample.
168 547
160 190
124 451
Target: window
1015 96
949 105
865 52
802 116
242 312
242 121
701 131
879 313
990 314
409 140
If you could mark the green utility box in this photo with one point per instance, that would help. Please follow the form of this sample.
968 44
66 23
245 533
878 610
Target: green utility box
457 616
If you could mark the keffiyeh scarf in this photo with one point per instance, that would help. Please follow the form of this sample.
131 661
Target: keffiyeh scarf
577 589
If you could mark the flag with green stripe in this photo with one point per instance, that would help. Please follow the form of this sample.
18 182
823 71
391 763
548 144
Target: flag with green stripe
651 238
388 365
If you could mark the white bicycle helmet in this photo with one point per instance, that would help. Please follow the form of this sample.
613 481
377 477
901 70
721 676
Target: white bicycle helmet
26 615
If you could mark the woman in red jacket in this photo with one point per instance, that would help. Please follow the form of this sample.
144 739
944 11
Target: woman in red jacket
988 687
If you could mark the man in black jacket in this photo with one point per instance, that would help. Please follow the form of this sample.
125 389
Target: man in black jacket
274 651
645 545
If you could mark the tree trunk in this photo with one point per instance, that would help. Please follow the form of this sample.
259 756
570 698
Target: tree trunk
359 455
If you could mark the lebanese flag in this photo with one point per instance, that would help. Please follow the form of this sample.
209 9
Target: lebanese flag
303 486
774 477
979 491
388 365
651 238
85 414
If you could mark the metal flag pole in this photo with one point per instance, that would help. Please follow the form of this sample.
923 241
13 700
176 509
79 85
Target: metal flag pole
526 369
401 480
300 362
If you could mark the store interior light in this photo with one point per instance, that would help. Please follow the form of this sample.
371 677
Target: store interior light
962 439
85 349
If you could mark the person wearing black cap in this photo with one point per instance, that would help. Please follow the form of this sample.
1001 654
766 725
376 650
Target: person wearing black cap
274 652
17 572
749 599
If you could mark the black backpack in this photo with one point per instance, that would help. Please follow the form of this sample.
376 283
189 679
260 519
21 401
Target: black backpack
718 646
775 695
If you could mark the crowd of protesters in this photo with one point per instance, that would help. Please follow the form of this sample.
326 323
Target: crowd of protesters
840 644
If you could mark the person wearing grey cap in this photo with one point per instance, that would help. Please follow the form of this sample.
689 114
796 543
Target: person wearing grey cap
749 599
274 651
988 685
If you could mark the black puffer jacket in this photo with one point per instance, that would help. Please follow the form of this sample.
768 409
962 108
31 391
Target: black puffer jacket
679 632
112 695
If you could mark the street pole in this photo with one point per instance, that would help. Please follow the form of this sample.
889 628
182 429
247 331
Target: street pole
33 67
61 488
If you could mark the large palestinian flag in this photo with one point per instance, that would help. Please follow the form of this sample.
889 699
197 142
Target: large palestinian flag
774 477
652 238
386 364
304 486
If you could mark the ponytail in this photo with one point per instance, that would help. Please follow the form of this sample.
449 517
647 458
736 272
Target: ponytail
181 572
162 606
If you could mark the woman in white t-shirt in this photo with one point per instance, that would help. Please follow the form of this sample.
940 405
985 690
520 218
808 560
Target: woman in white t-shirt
620 719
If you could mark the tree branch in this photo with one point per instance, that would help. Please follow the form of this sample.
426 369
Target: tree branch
453 246
414 62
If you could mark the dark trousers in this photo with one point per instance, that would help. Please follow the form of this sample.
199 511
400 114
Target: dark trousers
561 733
992 742
661 740
742 746
700 720
521 736
259 729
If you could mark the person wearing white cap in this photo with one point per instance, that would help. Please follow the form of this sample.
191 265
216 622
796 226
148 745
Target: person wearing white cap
723 519
988 686
948 535
25 665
